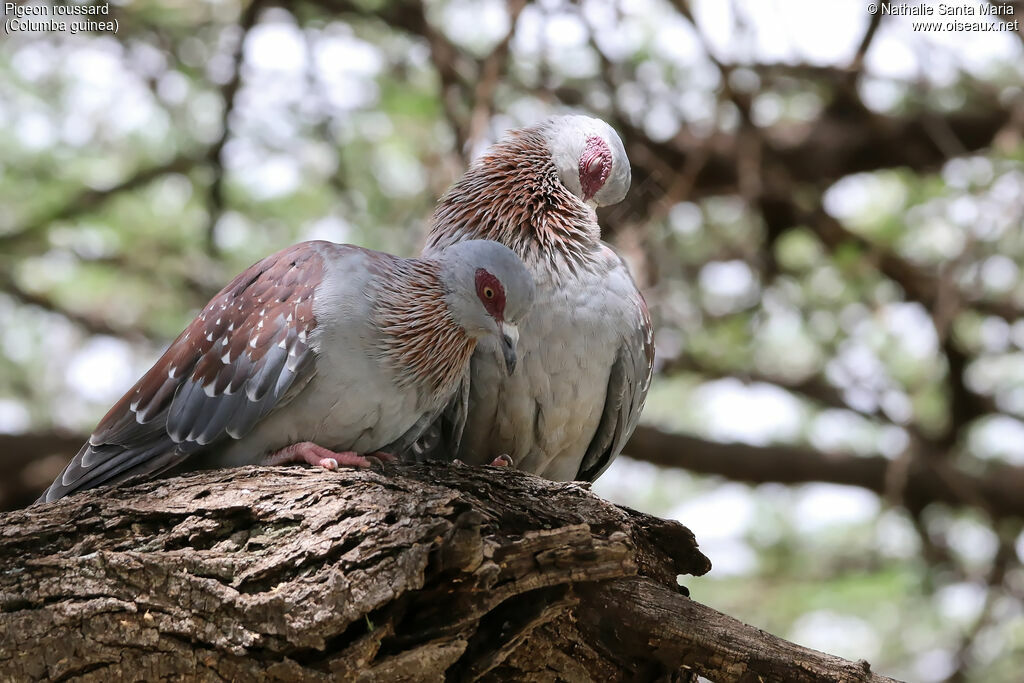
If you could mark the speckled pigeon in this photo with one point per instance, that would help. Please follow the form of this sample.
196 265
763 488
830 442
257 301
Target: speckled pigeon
321 353
587 352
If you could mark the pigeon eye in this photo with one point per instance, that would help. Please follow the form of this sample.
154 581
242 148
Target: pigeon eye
490 292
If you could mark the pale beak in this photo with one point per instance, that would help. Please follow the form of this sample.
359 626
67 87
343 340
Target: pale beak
509 338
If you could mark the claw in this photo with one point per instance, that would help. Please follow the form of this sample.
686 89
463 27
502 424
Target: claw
379 460
383 456
311 454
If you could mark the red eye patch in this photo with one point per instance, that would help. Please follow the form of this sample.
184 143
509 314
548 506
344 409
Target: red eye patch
595 165
491 293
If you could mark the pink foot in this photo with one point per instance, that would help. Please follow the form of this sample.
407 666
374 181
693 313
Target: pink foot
312 454
501 461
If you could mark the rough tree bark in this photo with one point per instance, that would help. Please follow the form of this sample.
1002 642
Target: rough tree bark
419 573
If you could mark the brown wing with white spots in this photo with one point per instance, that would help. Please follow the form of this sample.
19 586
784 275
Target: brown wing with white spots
246 352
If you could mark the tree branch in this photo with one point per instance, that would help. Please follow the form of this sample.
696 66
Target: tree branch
423 573
814 387
834 146
214 155
86 200
673 629
489 72
998 492
87 321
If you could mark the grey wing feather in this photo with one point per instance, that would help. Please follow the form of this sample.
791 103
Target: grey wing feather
441 435
628 383
454 418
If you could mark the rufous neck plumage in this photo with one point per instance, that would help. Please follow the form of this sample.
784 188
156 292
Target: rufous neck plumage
513 195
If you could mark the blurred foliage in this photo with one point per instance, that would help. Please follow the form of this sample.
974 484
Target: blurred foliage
140 171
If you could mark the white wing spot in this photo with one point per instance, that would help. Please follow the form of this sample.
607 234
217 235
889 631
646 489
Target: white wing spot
254 340
224 341
170 372
226 358
209 337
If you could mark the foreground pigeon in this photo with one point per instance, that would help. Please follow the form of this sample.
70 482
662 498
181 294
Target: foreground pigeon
320 353
587 351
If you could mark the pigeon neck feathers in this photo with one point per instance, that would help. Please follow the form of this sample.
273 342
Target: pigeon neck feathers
513 195
419 337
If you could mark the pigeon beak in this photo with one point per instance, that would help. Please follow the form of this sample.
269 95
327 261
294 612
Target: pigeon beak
509 339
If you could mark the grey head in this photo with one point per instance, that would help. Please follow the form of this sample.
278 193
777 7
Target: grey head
590 158
489 290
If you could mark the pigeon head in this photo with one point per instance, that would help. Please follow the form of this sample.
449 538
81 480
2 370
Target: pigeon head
590 158
535 191
489 290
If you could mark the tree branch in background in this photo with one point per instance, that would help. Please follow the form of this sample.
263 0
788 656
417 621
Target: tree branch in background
857 63
814 388
923 287
1005 558
89 322
489 72
214 156
824 151
997 493
780 211
90 199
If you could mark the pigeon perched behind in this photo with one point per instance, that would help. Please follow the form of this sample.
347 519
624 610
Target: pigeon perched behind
319 354
587 351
